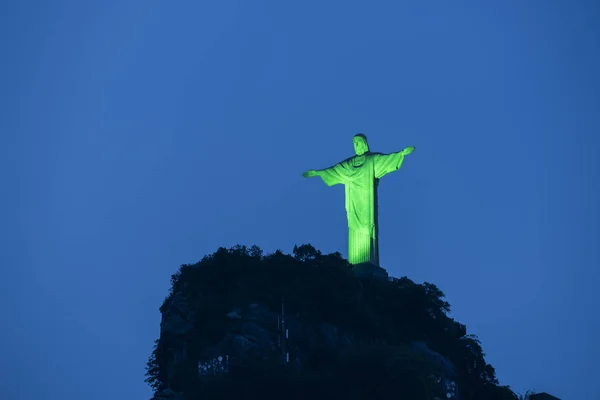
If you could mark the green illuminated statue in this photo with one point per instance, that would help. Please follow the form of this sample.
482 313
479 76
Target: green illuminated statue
360 174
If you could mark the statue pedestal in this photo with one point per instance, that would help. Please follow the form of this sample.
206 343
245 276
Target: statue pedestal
368 270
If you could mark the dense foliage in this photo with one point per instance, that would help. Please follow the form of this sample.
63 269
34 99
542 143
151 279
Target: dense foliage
322 288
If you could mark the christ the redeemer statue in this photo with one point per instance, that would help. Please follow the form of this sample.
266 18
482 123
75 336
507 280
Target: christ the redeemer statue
360 175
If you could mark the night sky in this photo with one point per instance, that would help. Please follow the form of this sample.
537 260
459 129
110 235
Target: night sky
138 135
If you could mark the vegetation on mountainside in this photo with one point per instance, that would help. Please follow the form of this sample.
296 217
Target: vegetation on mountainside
318 287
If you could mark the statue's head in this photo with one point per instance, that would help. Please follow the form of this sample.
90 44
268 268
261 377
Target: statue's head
360 144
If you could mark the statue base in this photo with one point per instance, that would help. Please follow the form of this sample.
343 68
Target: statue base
368 270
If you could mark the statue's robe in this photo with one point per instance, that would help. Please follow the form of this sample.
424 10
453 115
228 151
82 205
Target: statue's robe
360 175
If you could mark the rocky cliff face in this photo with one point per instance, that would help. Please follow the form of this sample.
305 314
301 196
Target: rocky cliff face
256 332
253 331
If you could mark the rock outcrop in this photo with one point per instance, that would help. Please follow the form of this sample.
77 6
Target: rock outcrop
224 329
253 333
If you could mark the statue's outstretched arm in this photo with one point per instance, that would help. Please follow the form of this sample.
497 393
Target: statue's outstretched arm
331 176
386 163
310 173
407 150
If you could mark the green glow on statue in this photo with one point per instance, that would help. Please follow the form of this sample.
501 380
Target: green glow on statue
360 175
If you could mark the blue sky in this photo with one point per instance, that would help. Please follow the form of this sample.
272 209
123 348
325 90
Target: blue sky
140 135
